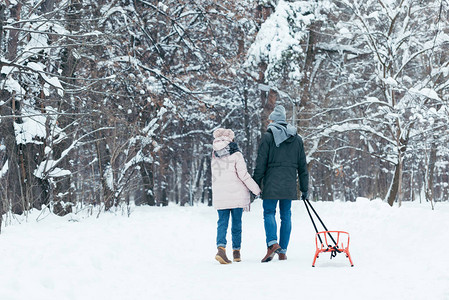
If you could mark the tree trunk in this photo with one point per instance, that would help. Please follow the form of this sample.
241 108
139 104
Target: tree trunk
164 199
163 167
2 21
146 171
246 118
37 189
267 98
175 182
306 82
395 182
430 191
106 172
185 195
208 184
63 191
15 193
200 177
268 103
13 41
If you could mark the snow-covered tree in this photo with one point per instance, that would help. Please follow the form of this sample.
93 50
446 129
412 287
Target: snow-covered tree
400 39
31 38
365 73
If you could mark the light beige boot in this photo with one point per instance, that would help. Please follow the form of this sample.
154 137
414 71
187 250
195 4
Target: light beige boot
221 256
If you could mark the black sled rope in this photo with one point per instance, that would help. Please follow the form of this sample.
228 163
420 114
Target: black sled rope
333 249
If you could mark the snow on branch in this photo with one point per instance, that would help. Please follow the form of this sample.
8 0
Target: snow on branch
4 170
426 92
87 34
32 67
342 48
48 168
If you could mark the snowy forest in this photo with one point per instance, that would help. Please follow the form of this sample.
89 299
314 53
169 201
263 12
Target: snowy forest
107 102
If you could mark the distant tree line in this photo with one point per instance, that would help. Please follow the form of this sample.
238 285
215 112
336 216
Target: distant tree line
107 102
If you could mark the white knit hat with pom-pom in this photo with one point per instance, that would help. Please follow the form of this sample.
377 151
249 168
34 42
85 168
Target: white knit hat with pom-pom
224 134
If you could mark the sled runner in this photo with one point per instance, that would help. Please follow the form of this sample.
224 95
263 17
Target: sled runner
341 245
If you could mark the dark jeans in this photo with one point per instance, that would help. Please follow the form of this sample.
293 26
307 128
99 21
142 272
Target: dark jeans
236 229
269 216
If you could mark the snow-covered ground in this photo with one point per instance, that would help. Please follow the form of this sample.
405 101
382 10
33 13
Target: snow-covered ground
168 253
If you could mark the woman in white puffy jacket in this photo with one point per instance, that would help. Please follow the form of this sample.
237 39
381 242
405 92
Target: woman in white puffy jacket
231 186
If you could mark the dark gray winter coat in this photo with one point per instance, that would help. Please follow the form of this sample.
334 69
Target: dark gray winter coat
277 168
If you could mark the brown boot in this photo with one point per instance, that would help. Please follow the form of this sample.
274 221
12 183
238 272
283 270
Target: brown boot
271 251
221 256
236 255
282 256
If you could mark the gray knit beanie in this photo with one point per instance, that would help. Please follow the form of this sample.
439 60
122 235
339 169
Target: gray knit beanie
278 114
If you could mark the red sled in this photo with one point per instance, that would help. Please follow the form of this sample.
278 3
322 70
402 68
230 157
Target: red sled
341 244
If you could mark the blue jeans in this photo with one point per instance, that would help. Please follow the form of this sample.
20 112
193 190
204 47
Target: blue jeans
269 216
236 229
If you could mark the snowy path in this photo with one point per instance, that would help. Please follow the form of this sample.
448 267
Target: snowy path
168 253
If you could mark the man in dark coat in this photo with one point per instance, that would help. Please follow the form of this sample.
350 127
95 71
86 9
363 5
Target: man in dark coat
280 160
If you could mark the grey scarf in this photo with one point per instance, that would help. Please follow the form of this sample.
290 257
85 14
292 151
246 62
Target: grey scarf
222 152
228 150
280 132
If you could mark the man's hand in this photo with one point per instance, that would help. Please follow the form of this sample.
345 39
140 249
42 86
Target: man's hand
304 196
